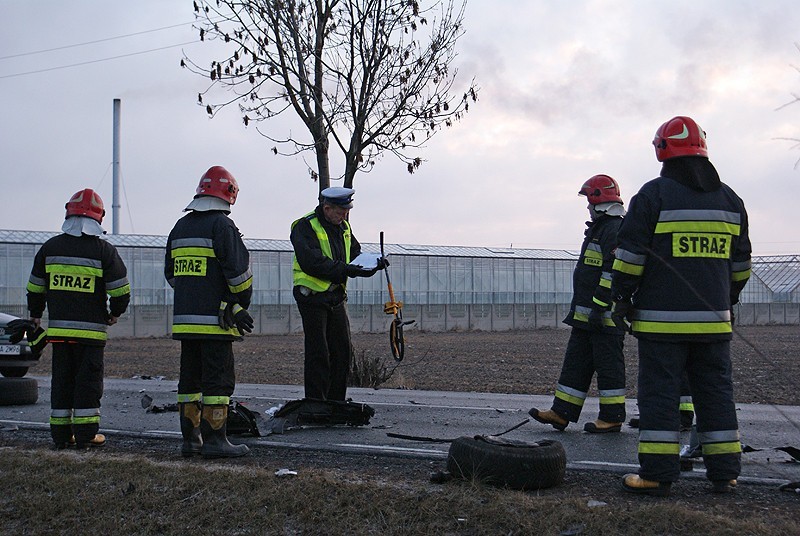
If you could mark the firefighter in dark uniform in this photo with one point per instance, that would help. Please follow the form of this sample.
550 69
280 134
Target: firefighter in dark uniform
324 245
595 343
209 267
682 260
78 277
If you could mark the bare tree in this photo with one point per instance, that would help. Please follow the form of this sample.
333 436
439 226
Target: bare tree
795 99
368 76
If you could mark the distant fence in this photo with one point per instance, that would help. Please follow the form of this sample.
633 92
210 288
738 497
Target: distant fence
156 320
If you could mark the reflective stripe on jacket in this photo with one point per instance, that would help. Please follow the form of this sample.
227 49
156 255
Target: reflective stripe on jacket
316 284
73 277
684 256
206 262
591 279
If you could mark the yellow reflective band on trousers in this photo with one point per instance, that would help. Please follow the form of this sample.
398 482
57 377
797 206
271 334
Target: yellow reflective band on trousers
575 399
669 449
299 277
94 419
60 421
216 400
189 397
732 447
612 399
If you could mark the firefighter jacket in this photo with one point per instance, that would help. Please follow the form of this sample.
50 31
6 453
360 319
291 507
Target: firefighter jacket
322 252
73 276
206 263
683 256
591 280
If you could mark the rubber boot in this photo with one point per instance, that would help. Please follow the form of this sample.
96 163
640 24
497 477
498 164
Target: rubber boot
723 486
99 440
602 427
62 436
549 417
633 483
190 428
213 428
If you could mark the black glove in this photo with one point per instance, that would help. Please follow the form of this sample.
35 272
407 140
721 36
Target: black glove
352 270
17 328
383 262
37 340
596 319
26 328
622 313
225 316
242 319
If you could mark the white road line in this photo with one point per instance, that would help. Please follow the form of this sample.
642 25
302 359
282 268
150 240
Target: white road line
389 448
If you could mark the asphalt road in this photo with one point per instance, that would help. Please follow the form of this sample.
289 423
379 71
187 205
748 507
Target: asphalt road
428 414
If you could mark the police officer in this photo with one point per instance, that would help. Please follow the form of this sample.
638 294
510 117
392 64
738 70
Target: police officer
324 245
209 267
595 343
683 258
73 275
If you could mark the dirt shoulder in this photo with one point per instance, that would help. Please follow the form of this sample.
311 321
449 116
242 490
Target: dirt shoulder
766 361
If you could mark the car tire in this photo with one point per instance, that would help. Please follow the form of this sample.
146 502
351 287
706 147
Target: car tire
18 391
13 372
508 463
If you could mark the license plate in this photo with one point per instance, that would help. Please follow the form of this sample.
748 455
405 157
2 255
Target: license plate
9 349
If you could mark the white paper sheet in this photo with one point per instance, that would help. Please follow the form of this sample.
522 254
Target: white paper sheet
367 261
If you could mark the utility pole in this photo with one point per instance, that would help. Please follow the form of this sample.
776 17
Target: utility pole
115 206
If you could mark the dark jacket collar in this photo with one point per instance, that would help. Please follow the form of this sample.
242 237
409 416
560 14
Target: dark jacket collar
695 172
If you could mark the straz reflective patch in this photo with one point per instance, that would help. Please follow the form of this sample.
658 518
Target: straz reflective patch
72 282
591 261
710 245
190 266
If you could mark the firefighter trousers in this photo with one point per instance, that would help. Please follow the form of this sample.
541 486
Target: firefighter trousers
707 366
589 352
76 390
207 369
328 349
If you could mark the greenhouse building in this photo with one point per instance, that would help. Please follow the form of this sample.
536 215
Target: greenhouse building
443 288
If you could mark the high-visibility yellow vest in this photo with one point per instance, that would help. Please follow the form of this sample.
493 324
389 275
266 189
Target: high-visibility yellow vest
299 277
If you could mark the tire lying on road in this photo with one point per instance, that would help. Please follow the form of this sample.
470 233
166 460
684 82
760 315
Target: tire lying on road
515 464
18 391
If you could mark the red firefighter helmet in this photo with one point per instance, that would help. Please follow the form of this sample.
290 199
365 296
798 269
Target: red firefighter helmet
601 189
218 182
86 203
680 136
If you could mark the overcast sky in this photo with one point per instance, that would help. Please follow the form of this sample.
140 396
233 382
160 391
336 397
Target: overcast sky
568 90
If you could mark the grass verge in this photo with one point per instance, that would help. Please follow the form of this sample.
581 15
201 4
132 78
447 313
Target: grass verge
66 492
